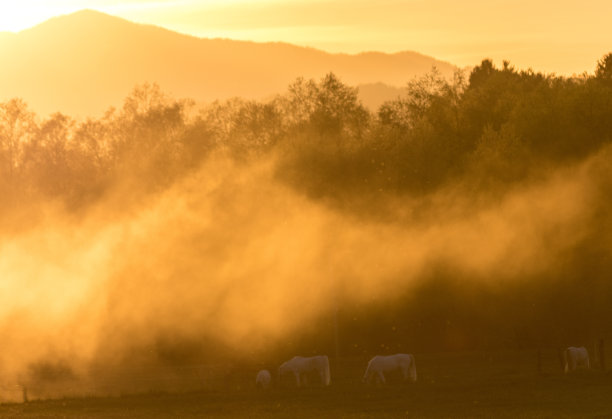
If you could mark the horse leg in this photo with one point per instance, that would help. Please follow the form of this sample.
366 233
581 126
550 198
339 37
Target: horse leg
297 378
381 377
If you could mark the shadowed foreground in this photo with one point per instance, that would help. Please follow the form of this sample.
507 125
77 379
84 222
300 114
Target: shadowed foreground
450 385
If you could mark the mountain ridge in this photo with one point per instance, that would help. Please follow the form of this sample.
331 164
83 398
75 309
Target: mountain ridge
84 62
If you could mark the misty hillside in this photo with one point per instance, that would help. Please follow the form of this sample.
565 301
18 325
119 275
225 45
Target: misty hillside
84 62
374 95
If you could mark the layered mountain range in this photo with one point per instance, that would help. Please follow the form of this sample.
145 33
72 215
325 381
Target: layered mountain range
85 62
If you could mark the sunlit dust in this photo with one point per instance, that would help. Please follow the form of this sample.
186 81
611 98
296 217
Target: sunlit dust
233 255
179 212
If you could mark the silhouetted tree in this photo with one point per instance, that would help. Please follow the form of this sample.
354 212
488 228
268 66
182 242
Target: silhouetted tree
603 70
47 157
17 127
328 108
147 136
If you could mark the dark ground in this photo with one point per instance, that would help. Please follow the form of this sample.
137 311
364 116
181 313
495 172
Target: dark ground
493 384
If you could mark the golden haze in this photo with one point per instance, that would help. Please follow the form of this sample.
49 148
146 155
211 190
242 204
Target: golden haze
564 37
232 254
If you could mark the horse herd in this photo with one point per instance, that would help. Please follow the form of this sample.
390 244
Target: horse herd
302 369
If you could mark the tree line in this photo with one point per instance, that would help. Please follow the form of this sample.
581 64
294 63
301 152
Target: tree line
494 128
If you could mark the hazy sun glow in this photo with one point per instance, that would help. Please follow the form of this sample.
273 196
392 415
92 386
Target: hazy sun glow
563 37
178 213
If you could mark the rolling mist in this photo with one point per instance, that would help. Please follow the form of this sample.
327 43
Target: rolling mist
470 213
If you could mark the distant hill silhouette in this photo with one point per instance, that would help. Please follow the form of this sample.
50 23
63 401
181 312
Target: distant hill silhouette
375 94
84 62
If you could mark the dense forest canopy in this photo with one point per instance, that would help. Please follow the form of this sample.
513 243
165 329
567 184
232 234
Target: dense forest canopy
490 131
471 212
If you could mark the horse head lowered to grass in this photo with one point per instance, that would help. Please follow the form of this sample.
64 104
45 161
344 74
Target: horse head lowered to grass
263 379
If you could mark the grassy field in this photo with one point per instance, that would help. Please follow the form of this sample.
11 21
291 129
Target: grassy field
453 385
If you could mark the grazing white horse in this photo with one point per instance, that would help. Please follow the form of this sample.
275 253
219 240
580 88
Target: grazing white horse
576 357
263 380
299 366
381 364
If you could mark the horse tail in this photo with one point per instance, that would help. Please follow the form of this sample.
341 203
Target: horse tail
413 372
588 360
566 360
326 373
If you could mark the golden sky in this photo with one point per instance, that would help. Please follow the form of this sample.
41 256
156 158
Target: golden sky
561 36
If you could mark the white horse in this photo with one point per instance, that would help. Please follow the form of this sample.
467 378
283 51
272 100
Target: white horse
263 380
576 357
299 366
380 364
